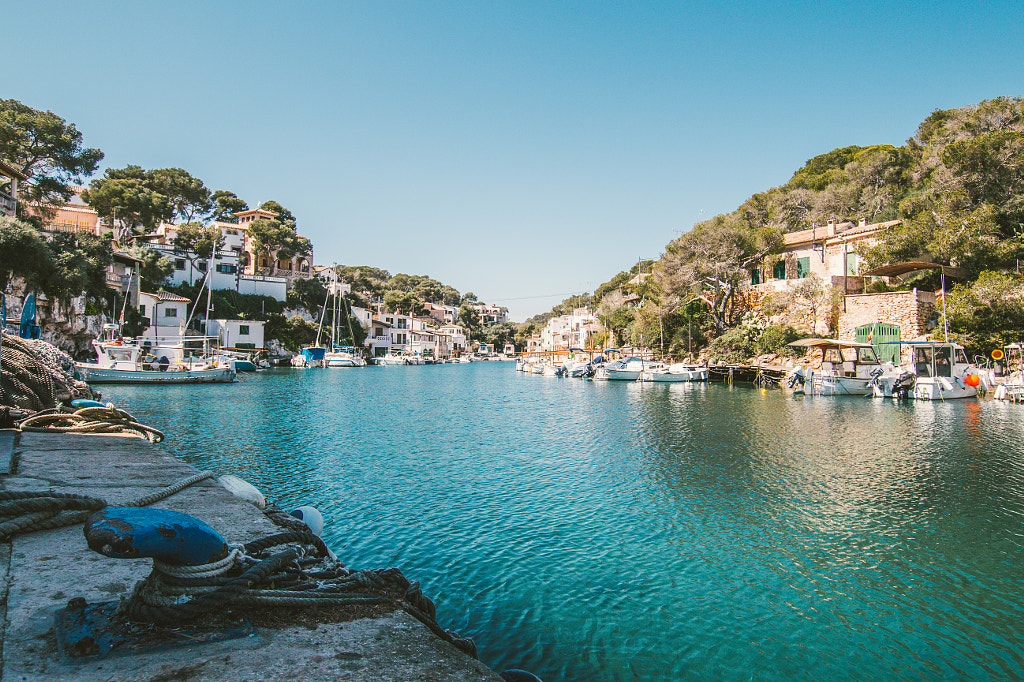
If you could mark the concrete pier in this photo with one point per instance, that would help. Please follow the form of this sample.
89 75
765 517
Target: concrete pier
42 571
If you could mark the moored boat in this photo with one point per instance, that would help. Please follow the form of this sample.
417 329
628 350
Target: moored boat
627 369
676 372
126 361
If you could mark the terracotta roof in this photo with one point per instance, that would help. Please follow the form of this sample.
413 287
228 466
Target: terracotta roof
12 172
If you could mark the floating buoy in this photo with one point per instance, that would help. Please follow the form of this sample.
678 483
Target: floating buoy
764 391
311 517
170 536
241 488
997 354
972 380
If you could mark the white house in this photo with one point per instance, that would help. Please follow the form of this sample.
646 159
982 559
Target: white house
242 334
567 331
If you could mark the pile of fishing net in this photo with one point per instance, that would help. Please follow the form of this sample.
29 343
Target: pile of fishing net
36 375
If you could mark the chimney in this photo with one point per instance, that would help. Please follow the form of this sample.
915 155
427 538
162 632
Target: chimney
831 227
863 222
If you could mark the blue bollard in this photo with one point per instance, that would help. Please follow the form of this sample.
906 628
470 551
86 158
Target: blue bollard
137 532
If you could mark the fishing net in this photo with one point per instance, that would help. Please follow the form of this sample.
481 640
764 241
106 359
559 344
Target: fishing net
36 375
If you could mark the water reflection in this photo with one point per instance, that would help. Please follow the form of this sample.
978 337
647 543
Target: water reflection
609 531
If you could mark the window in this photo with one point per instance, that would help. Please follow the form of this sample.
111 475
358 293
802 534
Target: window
243 330
851 264
170 312
779 270
226 268
179 264
201 266
142 310
803 267
755 276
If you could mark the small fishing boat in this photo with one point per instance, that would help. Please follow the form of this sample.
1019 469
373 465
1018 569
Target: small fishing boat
847 368
126 361
676 372
627 369
943 372
1007 375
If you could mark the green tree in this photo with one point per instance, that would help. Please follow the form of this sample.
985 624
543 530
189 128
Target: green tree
225 205
155 268
713 260
80 262
985 314
47 149
309 294
283 214
128 199
196 242
276 240
23 253
188 198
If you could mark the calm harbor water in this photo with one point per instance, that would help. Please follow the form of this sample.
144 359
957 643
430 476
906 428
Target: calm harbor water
615 531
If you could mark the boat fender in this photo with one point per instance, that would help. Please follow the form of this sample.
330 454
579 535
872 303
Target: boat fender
311 517
519 676
1000 392
170 536
241 488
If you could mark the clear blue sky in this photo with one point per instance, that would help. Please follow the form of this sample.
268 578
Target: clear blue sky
521 150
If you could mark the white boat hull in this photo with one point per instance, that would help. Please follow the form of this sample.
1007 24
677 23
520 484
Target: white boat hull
942 388
94 374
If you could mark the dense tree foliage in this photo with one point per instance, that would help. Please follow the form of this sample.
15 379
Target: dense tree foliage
225 205
196 242
47 149
23 253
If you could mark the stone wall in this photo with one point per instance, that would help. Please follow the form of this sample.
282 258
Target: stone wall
913 311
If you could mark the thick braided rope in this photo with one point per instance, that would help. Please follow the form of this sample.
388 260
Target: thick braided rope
107 419
23 512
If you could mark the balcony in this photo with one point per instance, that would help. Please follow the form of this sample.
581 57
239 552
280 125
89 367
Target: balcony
290 274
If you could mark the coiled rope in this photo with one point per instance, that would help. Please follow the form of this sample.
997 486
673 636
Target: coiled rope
256 575
26 512
106 419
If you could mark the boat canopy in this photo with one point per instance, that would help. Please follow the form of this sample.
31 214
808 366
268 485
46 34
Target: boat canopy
899 269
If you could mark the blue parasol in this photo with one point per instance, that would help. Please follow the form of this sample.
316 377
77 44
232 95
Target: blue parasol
29 329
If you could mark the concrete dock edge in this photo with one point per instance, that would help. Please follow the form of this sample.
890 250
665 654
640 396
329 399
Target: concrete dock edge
41 571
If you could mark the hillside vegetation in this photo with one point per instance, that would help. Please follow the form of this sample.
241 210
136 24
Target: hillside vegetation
956 187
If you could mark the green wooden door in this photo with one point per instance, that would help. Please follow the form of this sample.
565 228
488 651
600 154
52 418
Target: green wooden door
884 337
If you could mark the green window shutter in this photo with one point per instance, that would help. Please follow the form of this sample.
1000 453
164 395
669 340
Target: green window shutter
851 264
803 267
755 276
779 270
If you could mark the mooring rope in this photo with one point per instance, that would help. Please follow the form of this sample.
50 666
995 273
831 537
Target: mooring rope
25 512
257 576
106 419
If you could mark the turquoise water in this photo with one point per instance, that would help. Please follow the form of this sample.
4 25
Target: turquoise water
615 531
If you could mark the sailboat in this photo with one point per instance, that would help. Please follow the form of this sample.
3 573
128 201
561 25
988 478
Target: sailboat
159 360
340 356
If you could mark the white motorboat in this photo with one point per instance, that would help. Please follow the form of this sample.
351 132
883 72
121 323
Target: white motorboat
126 361
676 372
345 356
847 368
943 372
627 369
1007 375
390 360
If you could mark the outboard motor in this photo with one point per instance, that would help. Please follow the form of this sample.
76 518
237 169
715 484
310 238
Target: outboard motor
797 379
902 385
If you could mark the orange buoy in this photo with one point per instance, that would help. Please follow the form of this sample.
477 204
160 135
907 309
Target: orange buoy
972 380
997 354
